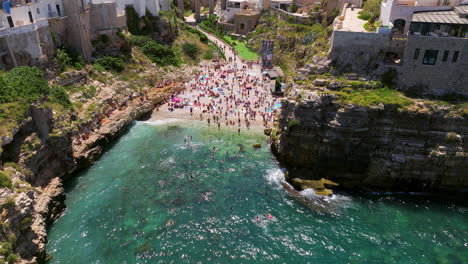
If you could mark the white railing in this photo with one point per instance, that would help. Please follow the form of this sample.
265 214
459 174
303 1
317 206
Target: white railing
24 29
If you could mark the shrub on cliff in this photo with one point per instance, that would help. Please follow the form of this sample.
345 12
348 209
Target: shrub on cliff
111 63
58 95
157 53
22 83
191 49
68 56
161 54
293 123
5 181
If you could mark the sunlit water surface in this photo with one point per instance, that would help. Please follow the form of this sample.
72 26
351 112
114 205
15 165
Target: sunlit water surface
138 204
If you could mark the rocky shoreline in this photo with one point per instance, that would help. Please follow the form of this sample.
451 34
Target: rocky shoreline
39 194
378 148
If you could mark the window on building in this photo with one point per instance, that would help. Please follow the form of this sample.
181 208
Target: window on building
38 11
446 2
430 57
58 10
445 57
10 21
455 56
30 17
416 54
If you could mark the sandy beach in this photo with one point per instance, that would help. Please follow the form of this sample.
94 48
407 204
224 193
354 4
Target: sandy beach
229 93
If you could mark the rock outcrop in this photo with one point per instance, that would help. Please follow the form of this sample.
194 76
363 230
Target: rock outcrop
53 153
374 148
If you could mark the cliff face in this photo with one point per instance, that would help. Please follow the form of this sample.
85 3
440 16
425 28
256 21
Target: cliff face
375 148
48 152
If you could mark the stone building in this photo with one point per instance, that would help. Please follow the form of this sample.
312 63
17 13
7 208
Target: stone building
429 51
435 57
31 31
241 15
25 38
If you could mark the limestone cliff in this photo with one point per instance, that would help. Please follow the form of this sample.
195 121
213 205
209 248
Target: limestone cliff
48 146
375 148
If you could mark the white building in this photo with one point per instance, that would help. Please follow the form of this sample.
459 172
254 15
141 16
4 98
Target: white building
397 13
26 12
236 6
153 6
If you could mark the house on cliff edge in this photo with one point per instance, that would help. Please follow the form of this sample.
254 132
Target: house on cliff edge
425 42
31 30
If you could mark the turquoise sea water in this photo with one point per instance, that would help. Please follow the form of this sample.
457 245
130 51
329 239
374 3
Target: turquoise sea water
138 204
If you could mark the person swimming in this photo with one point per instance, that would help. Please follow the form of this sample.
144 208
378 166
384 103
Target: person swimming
191 176
269 216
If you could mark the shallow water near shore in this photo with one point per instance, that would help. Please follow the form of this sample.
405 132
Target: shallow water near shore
138 204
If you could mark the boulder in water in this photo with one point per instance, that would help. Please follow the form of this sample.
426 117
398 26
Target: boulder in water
267 131
317 185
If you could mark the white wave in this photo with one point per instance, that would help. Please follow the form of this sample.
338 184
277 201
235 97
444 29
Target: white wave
160 122
275 177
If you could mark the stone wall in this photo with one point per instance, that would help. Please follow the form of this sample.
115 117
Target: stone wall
59 29
26 45
245 23
103 17
442 78
78 27
378 148
358 52
298 19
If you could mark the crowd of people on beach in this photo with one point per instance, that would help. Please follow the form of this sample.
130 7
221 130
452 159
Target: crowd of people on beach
235 94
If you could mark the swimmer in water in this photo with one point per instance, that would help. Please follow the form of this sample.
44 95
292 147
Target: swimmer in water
257 218
269 216
222 161
190 162
212 156
191 176
214 149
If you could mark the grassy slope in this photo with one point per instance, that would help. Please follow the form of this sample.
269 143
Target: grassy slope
242 49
